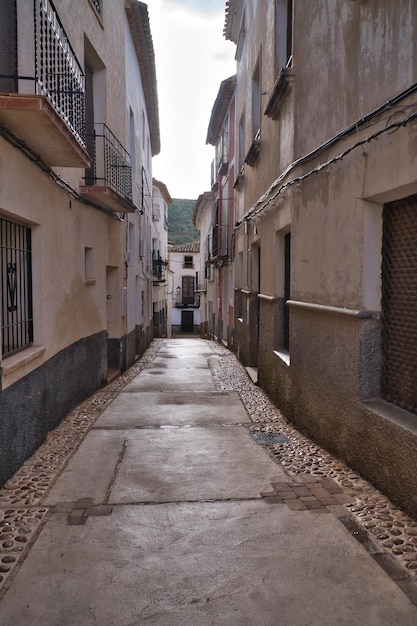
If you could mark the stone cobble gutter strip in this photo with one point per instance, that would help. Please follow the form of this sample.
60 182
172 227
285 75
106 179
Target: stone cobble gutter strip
392 532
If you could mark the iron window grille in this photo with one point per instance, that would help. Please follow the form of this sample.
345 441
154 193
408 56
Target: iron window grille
16 287
158 266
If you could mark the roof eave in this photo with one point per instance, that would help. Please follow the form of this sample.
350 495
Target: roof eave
138 19
233 18
203 201
164 190
220 108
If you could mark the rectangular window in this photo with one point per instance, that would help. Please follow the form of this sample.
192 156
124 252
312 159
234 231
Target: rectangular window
89 264
16 287
287 289
282 290
132 142
256 101
241 141
188 262
283 35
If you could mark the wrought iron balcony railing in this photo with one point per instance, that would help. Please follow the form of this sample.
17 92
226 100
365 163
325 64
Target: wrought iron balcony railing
158 268
43 87
58 74
111 162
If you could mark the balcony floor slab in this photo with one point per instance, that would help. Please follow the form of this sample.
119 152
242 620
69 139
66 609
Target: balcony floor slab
34 120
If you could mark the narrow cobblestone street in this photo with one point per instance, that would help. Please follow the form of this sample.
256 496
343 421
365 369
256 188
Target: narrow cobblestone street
179 495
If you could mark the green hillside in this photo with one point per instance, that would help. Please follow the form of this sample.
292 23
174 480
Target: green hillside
180 222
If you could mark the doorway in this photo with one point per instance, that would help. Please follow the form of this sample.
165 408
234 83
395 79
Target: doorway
187 321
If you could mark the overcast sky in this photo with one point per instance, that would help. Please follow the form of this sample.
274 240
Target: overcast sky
192 58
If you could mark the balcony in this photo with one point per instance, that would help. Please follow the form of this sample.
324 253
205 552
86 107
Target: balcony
214 179
159 270
109 181
222 165
201 288
187 303
219 245
46 111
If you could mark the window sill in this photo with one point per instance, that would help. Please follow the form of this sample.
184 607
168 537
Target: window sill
11 364
396 415
238 184
279 92
253 152
90 281
284 356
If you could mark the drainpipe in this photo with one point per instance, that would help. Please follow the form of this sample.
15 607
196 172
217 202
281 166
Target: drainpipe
126 262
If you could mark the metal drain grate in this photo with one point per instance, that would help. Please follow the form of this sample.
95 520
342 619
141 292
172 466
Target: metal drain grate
269 438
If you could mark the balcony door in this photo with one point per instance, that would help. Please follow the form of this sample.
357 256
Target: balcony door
89 119
188 296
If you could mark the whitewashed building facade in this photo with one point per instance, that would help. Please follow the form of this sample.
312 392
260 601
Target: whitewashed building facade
184 265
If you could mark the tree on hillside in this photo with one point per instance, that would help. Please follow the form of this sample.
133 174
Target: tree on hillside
180 222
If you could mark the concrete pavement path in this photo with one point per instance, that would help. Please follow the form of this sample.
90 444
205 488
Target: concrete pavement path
162 517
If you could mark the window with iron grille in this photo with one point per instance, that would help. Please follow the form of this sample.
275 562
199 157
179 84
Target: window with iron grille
399 303
15 286
188 262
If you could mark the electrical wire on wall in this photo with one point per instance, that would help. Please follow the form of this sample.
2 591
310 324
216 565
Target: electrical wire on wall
39 162
278 187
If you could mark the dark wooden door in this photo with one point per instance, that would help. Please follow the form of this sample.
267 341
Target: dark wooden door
187 321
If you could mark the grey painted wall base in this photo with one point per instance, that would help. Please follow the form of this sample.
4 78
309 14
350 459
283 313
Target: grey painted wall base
123 351
329 390
176 330
37 403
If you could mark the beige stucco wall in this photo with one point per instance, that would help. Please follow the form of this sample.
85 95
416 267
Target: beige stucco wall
66 306
276 151
354 52
349 59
